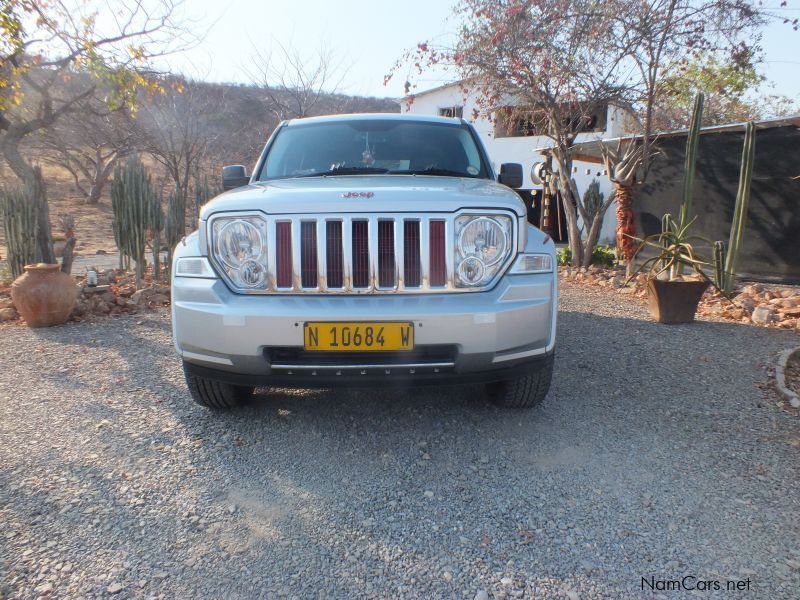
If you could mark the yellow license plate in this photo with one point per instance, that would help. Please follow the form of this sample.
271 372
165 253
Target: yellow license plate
350 337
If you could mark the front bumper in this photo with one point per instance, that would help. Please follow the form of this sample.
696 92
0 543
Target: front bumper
494 333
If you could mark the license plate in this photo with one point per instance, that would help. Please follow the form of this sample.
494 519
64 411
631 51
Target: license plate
354 337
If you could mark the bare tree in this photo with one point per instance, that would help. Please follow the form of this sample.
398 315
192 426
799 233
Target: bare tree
88 146
176 130
46 44
295 85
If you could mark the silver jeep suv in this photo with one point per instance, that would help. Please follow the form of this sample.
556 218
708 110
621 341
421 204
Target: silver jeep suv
367 250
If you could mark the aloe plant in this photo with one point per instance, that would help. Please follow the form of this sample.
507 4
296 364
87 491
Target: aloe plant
674 248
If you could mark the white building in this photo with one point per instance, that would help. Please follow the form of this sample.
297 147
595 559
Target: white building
517 142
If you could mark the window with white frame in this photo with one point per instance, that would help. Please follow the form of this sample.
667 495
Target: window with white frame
452 111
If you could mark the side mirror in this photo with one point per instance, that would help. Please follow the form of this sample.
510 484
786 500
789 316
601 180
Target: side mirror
234 176
511 175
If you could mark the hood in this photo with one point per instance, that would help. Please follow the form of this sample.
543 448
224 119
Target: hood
368 193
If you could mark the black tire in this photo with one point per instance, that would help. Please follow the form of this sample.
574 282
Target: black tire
216 394
523 392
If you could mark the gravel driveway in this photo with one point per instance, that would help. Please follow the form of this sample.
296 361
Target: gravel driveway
655 455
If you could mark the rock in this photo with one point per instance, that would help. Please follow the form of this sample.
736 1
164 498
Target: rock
6 303
506 581
793 564
447 576
481 595
8 314
428 494
97 290
747 303
753 289
101 252
763 315
572 595
126 291
109 297
148 296
45 588
231 508
114 588
795 402
160 575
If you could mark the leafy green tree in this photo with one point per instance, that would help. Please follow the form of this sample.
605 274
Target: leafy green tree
731 87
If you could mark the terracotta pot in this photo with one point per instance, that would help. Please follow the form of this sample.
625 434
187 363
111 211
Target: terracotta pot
43 295
674 301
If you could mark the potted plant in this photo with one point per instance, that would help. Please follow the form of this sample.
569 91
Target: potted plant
672 296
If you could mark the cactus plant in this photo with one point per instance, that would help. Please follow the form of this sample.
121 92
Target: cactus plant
740 210
157 228
174 226
19 222
132 198
719 264
203 192
692 142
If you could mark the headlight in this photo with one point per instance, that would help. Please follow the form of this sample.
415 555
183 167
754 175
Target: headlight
240 247
483 244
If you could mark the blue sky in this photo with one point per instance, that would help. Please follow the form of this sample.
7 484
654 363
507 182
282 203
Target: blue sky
370 36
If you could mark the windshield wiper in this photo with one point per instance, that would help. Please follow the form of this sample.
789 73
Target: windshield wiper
431 171
347 171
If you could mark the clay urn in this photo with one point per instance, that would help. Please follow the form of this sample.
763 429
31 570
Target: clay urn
43 295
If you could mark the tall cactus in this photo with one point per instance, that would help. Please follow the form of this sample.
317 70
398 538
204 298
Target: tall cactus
157 228
132 197
20 226
692 141
740 210
719 264
174 226
203 192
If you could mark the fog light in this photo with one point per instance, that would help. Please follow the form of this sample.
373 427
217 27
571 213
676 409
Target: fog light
471 270
252 273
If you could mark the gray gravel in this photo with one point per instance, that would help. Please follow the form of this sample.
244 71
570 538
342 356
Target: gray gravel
656 454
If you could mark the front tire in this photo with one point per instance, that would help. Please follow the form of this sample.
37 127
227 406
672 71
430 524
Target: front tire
525 391
215 394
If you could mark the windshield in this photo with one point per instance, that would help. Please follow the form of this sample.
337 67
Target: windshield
380 146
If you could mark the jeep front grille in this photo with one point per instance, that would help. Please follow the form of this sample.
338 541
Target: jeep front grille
361 254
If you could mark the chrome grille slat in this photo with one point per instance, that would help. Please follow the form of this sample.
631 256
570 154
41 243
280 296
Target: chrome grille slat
399 253
425 254
373 253
297 245
322 255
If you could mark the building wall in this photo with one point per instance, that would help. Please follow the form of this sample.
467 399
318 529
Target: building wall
523 149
